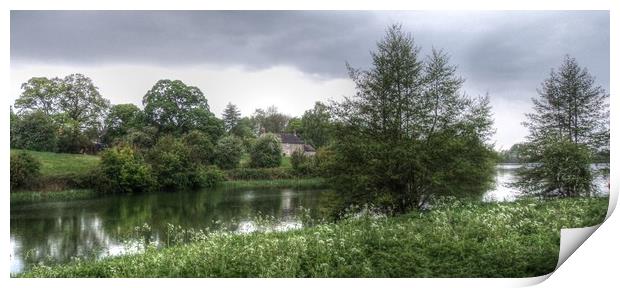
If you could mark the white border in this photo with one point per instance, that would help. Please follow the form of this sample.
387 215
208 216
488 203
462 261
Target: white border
595 262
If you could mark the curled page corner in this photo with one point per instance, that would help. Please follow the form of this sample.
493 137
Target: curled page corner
571 239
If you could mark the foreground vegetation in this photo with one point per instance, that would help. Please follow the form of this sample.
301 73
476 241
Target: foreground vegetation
455 239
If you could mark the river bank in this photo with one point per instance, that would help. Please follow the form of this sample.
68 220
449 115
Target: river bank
75 194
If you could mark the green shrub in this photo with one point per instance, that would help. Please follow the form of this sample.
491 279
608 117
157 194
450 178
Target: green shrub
172 164
303 165
24 170
210 176
266 152
200 146
563 169
228 152
34 131
123 171
141 139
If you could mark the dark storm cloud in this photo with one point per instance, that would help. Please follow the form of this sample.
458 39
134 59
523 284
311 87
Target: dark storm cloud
495 51
314 42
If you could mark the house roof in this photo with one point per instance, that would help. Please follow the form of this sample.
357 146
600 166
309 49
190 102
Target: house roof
290 138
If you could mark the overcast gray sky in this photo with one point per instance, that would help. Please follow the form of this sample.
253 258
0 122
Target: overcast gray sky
293 58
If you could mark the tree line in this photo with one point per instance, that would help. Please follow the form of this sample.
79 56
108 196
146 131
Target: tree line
407 136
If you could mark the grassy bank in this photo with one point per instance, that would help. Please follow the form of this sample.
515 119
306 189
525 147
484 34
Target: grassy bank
65 195
56 164
296 183
519 239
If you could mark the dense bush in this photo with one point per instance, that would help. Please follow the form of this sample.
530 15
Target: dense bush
302 164
24 170
259 173
200 146
563 169
266 152
228 152
210 176
123 171
71 139
144 138
172 164
33 131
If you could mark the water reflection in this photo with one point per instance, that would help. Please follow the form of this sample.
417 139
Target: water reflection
506 174
55 232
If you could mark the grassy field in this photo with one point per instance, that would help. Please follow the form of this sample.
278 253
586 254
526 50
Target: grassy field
519 239
54 164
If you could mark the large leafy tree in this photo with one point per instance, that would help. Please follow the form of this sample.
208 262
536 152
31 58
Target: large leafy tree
74 103
33 130
40 93
316 126
408 134
570 123
122 119
81 102
176 108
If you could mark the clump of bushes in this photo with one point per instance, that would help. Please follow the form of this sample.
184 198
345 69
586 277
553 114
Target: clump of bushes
172 164
563 170
210 176
228 152
33 131
302 164
200 146
315 165
122 170
175 167
25 170
266 152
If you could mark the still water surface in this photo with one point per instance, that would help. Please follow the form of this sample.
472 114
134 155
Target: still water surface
56 232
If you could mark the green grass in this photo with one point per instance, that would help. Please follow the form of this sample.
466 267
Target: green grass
55 164
38 196
518 239
286 162
299 183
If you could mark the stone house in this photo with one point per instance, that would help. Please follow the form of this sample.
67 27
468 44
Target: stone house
291 142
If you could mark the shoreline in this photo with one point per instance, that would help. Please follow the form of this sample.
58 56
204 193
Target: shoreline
19 197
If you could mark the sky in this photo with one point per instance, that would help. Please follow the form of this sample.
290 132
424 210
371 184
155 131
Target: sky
291 59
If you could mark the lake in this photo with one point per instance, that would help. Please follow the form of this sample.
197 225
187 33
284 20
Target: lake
56 232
